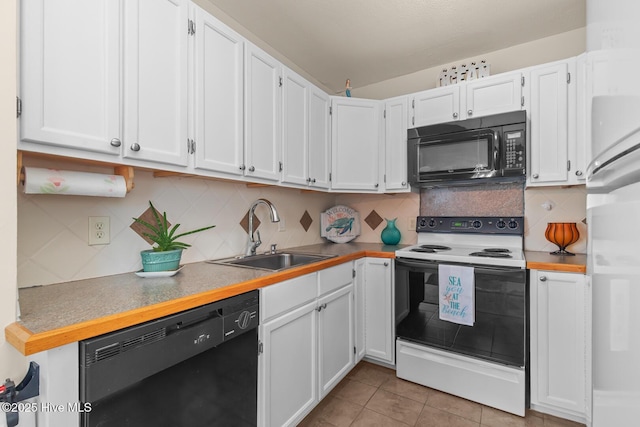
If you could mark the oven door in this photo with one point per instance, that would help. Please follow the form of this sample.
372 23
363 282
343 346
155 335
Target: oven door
456 156
499 332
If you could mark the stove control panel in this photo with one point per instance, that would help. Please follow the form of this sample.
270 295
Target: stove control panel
478 225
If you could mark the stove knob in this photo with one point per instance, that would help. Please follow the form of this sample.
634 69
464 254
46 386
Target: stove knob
476 224
501 224
513 224
422 223
432 223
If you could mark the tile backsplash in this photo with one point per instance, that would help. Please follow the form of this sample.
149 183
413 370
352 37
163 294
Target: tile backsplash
53 230
404 206
554 204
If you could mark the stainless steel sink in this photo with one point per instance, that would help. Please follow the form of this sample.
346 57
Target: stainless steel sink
273 262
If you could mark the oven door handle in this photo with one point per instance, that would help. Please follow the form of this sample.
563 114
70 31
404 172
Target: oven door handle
404 262
424 264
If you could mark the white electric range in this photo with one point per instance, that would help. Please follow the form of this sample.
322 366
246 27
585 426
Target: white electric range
484 356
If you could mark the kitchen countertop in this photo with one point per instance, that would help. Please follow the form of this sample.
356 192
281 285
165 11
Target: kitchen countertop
63 313
546 261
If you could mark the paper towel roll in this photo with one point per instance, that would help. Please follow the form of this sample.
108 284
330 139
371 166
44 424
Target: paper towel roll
53 181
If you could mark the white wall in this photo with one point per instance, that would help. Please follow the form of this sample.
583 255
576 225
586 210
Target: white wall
12 363
561 46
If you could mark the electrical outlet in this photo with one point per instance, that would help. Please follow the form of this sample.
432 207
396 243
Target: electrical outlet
412 223
281 225
99 230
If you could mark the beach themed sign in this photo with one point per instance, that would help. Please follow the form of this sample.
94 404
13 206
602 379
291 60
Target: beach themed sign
457 294
340 224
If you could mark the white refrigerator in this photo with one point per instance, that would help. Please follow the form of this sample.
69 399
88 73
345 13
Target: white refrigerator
613 208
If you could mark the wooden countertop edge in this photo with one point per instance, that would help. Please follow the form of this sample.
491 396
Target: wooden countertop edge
567 268
29 343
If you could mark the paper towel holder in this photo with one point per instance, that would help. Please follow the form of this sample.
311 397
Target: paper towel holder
124 171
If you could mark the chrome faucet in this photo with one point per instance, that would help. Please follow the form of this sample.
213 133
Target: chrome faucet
253 244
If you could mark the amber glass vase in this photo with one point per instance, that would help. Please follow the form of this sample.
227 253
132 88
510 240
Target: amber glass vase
562 234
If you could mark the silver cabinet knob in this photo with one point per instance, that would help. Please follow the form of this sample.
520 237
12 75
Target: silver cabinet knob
470 112
309 179
386 264
313 181
404 183
377 185
251 169
455 115
135 147
535 176
115 142
543 278
578 173
242 167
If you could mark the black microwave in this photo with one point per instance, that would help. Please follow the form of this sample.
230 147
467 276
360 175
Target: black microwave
468 151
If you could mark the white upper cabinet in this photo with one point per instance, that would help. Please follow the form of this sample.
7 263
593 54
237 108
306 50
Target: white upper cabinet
476 98
295 124
395 144
492 95
218 95
549 123
70 79
438 105
319 151
557 137
155 80
355 144
305 133
263 99
583 134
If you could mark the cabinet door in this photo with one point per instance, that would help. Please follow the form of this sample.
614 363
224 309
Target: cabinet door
288 367
395 144
335 334
295 119
70 79
355 142
319 138
583 133
155 80
218 93
492 95
558 368
438 105
359 291
262 115
549 124
378 303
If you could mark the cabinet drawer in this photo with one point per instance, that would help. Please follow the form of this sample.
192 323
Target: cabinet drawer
335 277
283 296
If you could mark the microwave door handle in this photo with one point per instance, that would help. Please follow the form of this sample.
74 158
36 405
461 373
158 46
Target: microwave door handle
496 144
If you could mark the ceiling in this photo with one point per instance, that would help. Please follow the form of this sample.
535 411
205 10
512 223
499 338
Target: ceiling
369 41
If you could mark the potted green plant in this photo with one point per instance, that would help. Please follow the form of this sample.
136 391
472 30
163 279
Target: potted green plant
166 253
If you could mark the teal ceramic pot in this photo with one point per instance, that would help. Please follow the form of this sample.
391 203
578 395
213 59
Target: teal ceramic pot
391 235
161 261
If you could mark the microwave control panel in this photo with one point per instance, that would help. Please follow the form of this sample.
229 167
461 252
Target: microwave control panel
514 149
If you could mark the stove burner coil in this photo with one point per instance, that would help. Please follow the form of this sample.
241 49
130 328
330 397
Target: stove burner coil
491 254
436 247
497 250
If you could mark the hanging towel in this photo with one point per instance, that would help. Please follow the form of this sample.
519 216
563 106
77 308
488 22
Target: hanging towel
457 294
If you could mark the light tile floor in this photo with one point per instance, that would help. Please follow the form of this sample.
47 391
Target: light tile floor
372 396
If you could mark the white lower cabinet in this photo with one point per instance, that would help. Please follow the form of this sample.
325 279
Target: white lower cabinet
378 309
559 340
307 340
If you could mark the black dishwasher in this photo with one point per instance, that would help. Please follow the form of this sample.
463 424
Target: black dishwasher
194 368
